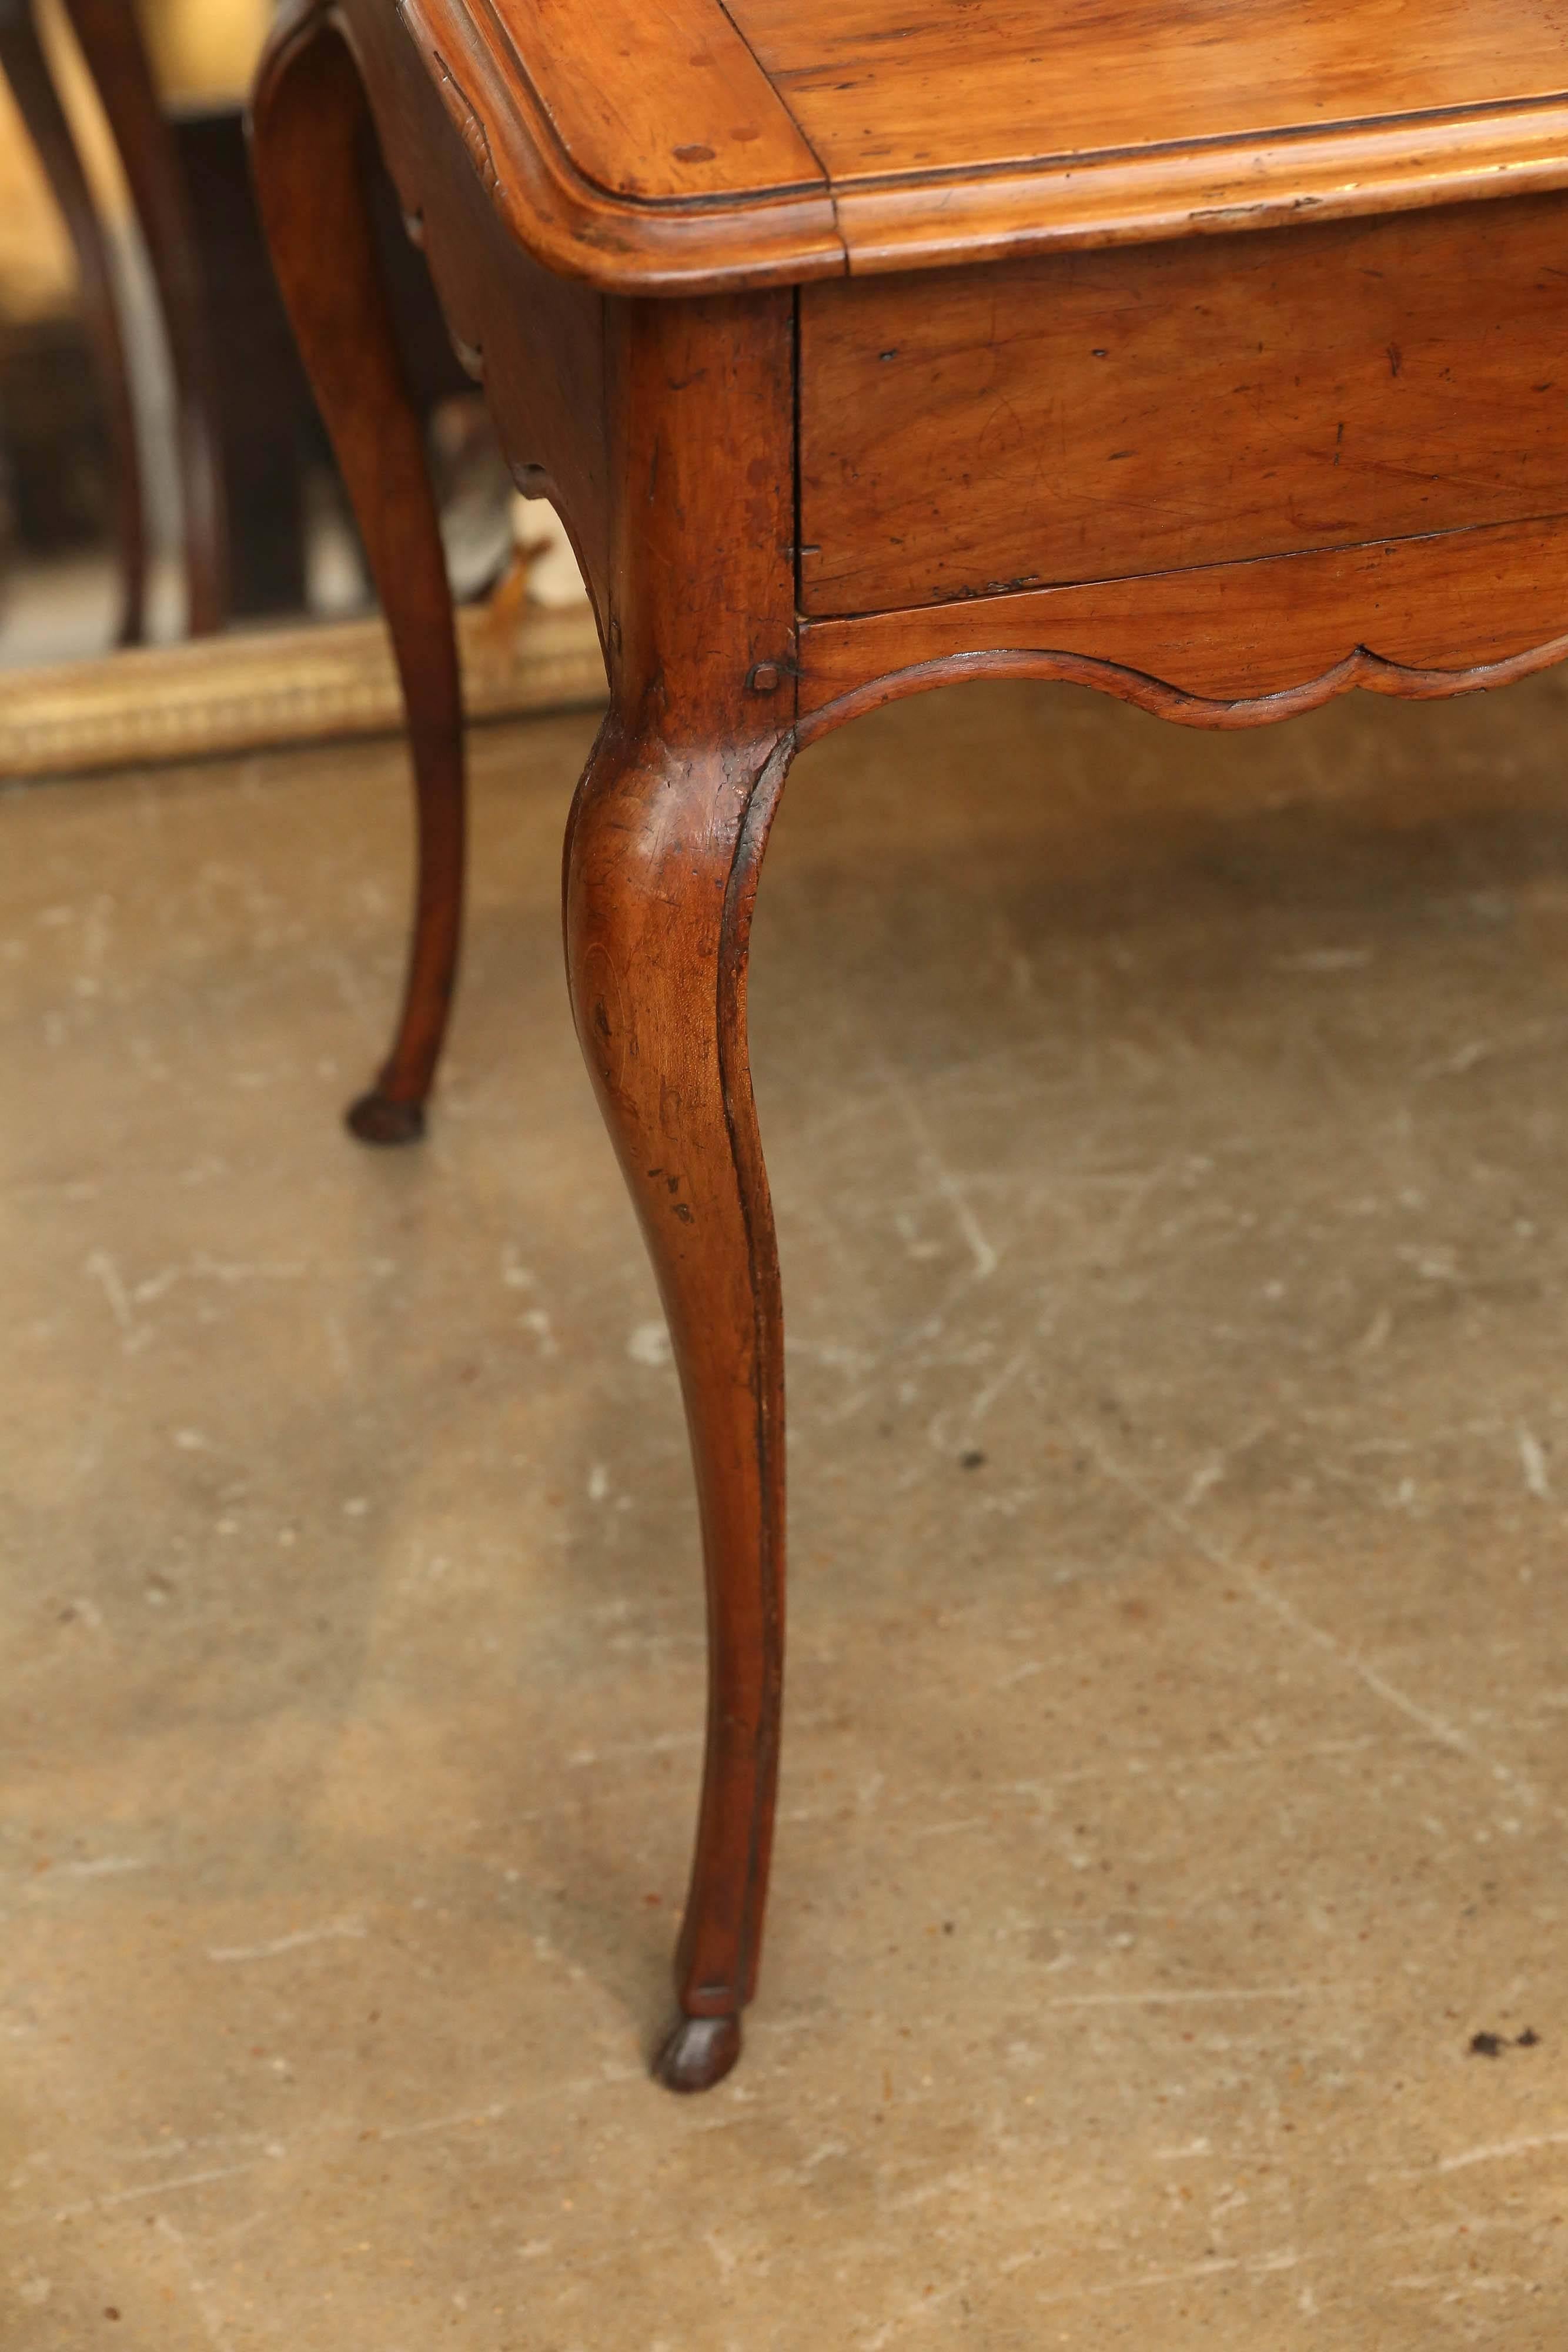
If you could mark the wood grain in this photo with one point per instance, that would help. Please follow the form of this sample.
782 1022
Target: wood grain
657 99
664 848
882 88
617 242
687 147
1084 416
1438 609
1074 202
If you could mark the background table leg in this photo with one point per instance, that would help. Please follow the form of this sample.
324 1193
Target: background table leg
309 121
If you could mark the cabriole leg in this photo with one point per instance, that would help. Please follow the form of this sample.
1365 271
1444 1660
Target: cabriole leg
662 856
308 119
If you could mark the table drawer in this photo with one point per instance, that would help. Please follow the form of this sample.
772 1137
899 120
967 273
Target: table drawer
1140 409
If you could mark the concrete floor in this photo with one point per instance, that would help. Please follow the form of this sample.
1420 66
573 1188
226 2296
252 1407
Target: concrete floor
1170 1141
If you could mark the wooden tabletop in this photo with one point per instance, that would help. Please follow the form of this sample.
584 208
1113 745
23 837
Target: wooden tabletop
673 143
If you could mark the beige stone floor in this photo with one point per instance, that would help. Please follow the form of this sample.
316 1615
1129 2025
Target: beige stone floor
1179 1124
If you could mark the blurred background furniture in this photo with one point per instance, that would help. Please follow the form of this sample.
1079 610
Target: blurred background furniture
110 43
123 125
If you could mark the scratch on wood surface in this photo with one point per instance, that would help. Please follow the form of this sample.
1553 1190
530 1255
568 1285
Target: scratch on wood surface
986 1397
104 1271
663 1743
1497 2152
226 1271
490 2114
948 1186
1258 1589
201 2294
1201 1993
108 1865
1532 1457
157 2189
330 1931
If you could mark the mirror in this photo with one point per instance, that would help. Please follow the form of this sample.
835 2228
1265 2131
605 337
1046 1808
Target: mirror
179 572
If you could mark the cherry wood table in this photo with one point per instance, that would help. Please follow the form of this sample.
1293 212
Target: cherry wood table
1216 355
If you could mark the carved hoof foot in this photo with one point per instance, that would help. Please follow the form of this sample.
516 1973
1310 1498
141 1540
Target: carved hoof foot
699 2053
376 1119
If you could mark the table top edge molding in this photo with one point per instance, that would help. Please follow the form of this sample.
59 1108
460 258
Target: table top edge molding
737 237
617 244
1212 189
664 132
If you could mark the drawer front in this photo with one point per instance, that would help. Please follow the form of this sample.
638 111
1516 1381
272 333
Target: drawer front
1096 415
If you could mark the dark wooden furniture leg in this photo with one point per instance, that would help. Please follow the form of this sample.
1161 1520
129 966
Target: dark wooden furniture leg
662 867
267 423
308 122
112 45
663 849
25 67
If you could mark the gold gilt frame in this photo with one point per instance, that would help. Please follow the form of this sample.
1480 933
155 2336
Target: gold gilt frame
240 693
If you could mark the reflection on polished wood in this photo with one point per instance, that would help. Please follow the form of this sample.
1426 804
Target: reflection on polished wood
1206 354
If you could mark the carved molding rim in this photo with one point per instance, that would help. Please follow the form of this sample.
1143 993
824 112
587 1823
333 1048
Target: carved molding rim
1361 667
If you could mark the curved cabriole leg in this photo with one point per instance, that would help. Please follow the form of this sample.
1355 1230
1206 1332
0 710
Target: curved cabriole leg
112 44
25 67
662 856
309 117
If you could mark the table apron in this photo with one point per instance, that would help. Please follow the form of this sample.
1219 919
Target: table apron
1082 416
